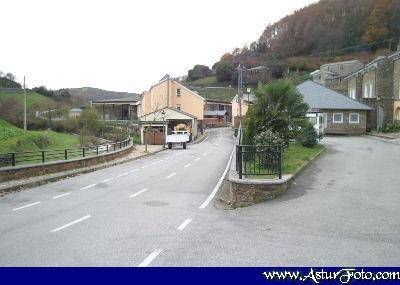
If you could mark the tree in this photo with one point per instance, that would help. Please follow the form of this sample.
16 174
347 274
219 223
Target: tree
225 71
278 108
45 92
10 76
89 124
378 23
1 73
199 71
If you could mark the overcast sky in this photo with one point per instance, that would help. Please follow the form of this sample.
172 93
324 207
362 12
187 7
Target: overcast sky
125 45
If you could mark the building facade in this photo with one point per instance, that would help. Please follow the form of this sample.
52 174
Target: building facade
119 109
168 93
333 113
377 85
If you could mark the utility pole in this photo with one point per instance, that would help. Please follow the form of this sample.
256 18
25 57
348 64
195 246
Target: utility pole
240 97
24 106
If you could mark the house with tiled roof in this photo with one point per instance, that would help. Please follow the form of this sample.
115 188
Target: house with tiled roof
332 112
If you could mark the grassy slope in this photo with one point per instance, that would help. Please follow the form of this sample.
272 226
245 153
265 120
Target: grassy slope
13 139
225 94
32 98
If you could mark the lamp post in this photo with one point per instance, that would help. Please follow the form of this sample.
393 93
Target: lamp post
164 128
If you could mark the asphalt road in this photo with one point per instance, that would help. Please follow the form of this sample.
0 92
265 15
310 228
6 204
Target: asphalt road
343 211
124 215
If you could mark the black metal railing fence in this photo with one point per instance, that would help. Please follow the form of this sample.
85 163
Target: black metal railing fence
42 156
263 160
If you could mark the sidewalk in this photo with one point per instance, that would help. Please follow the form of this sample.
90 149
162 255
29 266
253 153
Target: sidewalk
393 138
16 185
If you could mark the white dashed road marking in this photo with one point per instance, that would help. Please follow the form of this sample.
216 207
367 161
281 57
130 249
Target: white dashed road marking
184 224
187 165
107 180
26 206
62 195
197 159
150 258
92 185
132 171
169 176
70 224
122 174
138 193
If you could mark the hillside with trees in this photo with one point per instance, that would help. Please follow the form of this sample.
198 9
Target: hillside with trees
325 31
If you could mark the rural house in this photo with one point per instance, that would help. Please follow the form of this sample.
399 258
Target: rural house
377 85
332 112
119 109
332 75
171 103
247 100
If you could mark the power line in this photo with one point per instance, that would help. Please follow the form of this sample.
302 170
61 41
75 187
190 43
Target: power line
335 51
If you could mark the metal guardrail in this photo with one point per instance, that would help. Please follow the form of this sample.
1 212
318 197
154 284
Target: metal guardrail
259 160
42 156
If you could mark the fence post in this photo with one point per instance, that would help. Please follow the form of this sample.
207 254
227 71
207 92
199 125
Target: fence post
66 154
107 147
115 146
97 150
239 160
13 159
280 162
43 158
83 152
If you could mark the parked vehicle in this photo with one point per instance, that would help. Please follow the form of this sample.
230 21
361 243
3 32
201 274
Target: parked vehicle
177 137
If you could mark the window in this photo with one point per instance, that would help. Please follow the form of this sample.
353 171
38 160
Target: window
354 118
368 90
178 92
313 120
353 93
337 118
178 106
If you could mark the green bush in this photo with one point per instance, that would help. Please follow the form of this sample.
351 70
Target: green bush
308 136
391 127
42 140
268 137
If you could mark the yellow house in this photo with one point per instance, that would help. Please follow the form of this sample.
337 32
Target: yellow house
170 94
247 100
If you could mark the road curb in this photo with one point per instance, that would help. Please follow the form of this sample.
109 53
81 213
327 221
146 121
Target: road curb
73 173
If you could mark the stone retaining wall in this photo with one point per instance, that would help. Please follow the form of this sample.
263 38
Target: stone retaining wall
26 171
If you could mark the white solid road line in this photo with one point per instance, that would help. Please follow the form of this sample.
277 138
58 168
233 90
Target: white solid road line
150 258
19 208
187 165
211 196
137 169
169 176
107 180
197 159
138 193
70 224
184 224
92 185
62 195
122 174
145 166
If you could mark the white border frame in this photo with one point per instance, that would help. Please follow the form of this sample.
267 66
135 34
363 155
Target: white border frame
358 118
333 118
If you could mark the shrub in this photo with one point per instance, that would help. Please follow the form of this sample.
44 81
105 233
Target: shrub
42 140
308 136
268 137
391 127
